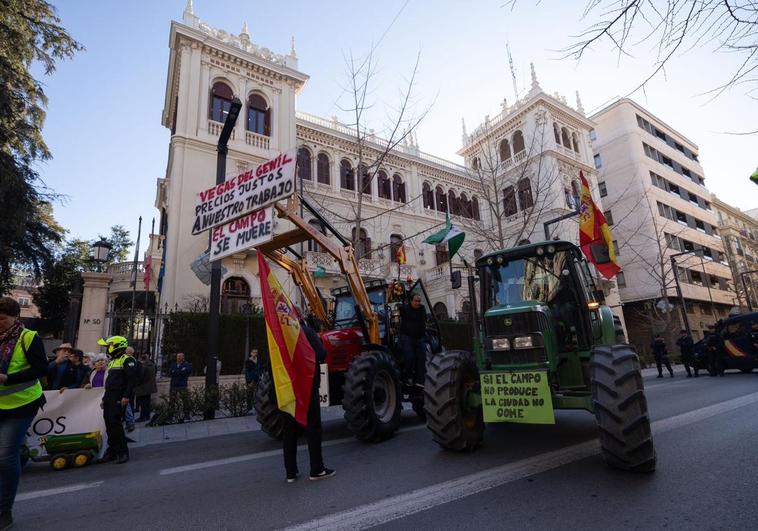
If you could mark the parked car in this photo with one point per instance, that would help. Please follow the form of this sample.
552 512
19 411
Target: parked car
739 334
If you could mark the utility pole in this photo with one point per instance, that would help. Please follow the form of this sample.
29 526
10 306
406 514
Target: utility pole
134 282
211 382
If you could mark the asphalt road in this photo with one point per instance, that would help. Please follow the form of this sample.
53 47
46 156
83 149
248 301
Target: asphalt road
524 477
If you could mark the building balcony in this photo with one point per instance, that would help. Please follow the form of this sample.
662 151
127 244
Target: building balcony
436 273
256 140
122 274
214 128
326 265
393 270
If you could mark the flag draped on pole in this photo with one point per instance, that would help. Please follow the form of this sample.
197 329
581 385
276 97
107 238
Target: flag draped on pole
293 361
595 237
452 235
401 257
148 272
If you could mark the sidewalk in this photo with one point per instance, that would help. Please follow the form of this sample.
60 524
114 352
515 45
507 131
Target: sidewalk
145 435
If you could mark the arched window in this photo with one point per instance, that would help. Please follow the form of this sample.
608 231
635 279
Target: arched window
258 115
575 195
304 164
398 188
475 163
465 315
347 175
574 142
385 189
518 142
322 169
221 101
440 311
465 205
362 244
565 137
452 201
318 227
505 149
441 199
234 293
365 179
441 253
525 194
428 195
556 133
396 242
509 201
475 208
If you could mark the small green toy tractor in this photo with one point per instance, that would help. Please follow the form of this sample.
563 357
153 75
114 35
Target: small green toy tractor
75 450
542 343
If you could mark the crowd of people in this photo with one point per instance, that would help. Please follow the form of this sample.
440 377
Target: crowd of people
713 345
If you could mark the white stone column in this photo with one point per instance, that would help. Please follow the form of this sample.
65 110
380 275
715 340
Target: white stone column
203 104
94 307
241 125
193 112
183 102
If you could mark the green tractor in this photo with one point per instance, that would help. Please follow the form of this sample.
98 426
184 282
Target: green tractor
543 342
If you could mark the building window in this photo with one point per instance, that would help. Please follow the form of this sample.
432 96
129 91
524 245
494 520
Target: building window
258 115
620 279
616 248
674 189
566 140
475 208
608 217
398 188
234 293
603 190
699 225
304 164
681 217
396 242
440 311
696 277
428 195
465 206
525 199
574 142
475 163
557 133
509 201
505 149
385 191
598 161
362 244
441 199
452 202
441 253
322 169
593 135
518 142
221 101
365 179
24 302
318 227
347 175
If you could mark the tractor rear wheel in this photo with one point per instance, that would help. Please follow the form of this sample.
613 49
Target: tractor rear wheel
266 410
81 459
618 396
455 420
372 397
59 462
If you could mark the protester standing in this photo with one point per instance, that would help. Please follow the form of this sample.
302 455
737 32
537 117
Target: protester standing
313 429
79 370
22 363
252 375
714 347
661 355
687 350
99 372
119 388
180 372
146 388
59 373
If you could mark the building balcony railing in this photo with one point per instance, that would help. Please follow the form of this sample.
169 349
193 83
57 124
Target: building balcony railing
214 128
436 273
318 261
256 140
405 271
125 268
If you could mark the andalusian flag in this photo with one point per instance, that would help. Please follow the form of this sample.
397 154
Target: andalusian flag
754 177
452 235
293 361
595 237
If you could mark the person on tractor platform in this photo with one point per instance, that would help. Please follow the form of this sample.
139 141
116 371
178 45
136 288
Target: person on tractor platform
413 341
119 388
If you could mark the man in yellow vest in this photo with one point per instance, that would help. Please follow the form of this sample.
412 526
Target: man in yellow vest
119 388
22 364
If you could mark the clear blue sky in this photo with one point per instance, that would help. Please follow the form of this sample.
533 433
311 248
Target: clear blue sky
103 123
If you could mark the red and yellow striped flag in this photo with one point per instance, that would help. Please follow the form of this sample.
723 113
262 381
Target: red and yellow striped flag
401 257
595 237
293 361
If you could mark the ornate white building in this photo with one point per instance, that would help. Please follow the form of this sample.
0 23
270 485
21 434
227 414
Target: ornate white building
521 169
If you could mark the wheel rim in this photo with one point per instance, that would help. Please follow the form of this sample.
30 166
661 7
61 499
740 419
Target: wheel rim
80 460
384 396
59 463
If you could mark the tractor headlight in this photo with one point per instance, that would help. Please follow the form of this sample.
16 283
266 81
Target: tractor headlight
551 249
540 251
523 342
490 261
501 343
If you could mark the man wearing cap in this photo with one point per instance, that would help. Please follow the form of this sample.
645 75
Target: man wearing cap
59 373
119 388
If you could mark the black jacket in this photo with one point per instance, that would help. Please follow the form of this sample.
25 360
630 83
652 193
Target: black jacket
413 321
122 379
659 348
686 345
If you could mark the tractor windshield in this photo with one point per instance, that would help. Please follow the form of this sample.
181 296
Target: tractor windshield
344 310
536 278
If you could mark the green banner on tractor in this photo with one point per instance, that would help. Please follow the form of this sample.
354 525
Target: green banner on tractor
517 396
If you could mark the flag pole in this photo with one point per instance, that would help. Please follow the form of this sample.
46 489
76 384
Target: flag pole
148 274
134 282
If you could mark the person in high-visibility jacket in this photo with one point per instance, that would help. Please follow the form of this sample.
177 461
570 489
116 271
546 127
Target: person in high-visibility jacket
119 389
22 364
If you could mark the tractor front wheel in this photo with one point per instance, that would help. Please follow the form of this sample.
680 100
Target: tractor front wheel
266 410
372 397
621 412
59 462
453 409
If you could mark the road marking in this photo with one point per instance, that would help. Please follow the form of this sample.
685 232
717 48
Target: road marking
260 455
60 490
400 506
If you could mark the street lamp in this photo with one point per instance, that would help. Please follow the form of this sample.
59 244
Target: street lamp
99 252
744 286
215 299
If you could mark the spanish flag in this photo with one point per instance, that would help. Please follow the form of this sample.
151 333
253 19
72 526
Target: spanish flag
595 237
293 361
401 258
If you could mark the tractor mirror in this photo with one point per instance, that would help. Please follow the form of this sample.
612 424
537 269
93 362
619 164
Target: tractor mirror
600 253
455 279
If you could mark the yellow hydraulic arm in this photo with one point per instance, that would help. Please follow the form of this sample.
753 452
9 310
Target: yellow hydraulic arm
344 255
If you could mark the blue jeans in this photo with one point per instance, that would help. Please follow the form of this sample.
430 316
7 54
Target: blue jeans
414 354
12 433
129 415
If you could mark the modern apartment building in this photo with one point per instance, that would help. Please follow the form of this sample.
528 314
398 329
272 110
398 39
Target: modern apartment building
661 213
739 232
